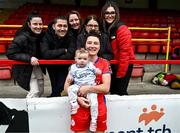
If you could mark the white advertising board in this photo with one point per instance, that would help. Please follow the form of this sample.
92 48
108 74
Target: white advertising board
143 114
126 114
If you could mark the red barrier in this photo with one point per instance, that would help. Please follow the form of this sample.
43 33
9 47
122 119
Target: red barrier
10 62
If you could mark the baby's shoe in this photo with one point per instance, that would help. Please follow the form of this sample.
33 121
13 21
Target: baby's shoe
74 109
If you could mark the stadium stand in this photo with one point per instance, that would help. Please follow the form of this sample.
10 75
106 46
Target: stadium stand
133 18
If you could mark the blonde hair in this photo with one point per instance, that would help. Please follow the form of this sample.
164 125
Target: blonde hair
81 51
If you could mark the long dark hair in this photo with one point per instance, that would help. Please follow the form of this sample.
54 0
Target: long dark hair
94 17
79 16
117 18
25 26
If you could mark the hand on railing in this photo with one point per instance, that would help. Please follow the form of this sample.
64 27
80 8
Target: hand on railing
34 61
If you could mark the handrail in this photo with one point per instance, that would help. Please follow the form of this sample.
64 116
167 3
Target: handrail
133 39
167 50
56 62
150 39
153 40
45 26
147 28
6 39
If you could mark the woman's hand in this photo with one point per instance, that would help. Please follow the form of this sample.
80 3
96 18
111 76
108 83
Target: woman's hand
65 50
84 102
84 90
34 61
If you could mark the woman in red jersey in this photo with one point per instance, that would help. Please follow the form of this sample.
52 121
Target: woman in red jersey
120 38
80 121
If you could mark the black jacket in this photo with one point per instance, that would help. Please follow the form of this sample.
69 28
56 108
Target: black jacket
74 32
53 47
105 48
24 46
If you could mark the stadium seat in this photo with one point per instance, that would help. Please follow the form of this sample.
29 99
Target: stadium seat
2 49
142 48
5 72
155 49
138 71
176 42
164 48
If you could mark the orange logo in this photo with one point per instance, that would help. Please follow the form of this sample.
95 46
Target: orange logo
147 117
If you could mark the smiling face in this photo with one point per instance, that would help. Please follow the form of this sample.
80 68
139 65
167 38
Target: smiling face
74 21
92 45
36 25
92 25
110 15
60 27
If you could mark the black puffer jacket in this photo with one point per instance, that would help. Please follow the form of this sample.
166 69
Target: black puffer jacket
105 48
24 46
53 47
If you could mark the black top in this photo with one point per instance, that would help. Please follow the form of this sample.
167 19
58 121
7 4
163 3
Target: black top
25 45
53 47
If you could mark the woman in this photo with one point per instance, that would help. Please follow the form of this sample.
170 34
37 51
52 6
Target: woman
92 23
81 120
26 47
74 22
58 44
120 38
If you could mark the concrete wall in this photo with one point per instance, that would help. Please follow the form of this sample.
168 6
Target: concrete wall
134 4
66 2
13 4
161 4
169 4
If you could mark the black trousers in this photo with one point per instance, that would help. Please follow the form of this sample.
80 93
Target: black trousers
57 75
119 85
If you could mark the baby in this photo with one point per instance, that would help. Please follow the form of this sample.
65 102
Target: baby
83 72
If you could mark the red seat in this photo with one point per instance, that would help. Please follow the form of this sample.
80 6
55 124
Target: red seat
140 48
144 35
154 35
155 25
5 72
176 42
2 49
175 35
135 34
155 49
164 48
138 71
